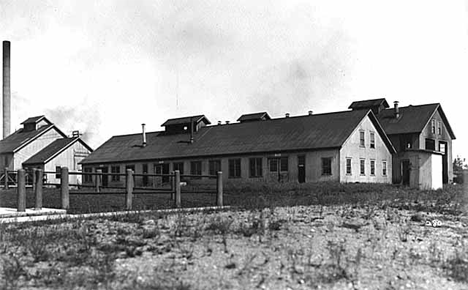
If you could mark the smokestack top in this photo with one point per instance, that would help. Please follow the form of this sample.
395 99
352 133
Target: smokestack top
6 89
396 109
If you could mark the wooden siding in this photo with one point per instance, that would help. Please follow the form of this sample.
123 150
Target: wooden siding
68 158
352 149
34 147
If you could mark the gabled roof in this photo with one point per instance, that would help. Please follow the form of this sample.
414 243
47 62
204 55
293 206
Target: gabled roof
186 120
412 119
366 104
54 149
36 119
254 117
320 131
21 138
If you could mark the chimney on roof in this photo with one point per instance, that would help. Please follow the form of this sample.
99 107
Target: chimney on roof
287 115
310 113
144 134
227 122
6 90
75 134
396 109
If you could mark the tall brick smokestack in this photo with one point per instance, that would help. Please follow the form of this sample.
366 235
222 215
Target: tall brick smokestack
6 89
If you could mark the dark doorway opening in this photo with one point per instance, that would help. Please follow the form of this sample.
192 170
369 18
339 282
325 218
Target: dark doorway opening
405 171
301 169
105 177
443 147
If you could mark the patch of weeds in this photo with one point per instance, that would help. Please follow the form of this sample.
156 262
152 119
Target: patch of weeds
13 269
219 225
457 268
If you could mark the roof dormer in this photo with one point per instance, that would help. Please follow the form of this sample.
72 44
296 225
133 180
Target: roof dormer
376 105
185 124
262 116
34 123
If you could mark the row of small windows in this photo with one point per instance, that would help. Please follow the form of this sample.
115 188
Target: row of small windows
362 139
362 167
214 166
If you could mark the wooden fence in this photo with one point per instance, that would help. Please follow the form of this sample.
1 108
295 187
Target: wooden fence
129 189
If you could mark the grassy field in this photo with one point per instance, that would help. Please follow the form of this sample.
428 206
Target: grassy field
287 236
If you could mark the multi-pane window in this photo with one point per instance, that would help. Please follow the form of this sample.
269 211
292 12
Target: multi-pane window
280 164
88 177
348 166
178 166
116 171
214 166
195 168
372 140
362 166
145 176
433 126
58 170
234 170
384 168
362 139
439 127
255 167
326 166
372 167
131 167
430 144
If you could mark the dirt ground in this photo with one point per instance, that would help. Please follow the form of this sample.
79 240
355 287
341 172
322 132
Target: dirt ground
313 247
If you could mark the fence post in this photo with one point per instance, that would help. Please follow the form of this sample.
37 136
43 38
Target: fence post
98 179
6 178
219 187
38 180
178 201
129 180
64 189
21 190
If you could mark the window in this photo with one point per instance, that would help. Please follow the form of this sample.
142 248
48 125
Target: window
145 177
178 166
362 165
234 168
280 164
131 167
433 126
372 140
214 167
195 168
58 171
372 167
439 127
430 144
384 168
362 139
255 167
442 147
284 166
273 164
88 177
326 166
115 170
348 166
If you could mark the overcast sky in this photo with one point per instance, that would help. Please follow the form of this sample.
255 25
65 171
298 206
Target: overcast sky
105 67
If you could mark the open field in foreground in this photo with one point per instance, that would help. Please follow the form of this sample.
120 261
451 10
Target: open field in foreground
348 245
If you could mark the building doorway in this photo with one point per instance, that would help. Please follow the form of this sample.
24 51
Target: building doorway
405 171
443 148
301 168
104 176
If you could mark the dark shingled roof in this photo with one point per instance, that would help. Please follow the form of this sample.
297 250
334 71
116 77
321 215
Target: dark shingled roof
19 139
413 119
254 117
320 131
51 151
186 120
35 120
366 104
